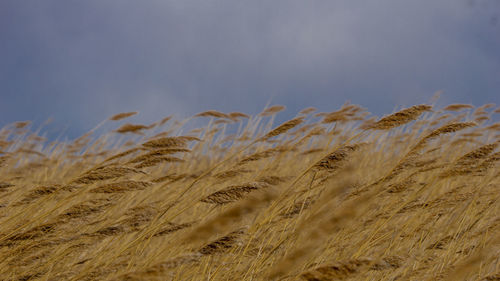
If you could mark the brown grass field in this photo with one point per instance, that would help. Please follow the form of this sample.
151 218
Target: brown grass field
340 195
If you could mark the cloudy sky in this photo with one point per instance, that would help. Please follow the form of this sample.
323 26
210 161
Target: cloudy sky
82 61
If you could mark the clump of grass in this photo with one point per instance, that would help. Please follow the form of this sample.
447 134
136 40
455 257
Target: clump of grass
337 195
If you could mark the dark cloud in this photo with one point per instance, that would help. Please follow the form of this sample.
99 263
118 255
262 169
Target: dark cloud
82 61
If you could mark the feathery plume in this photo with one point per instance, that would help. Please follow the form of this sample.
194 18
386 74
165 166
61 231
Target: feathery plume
38 193
401 117
172 227
446 129
333 160
122 186
347 112
308 110
155 160
164 120
158 153
283 128
85 209
105 173
122 154
122 115
458 107
262 155
232 193
222 244
272 110
21 124
339 270
165 142
238 115
212 113
131 128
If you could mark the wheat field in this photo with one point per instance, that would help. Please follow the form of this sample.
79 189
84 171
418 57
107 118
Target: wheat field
342 195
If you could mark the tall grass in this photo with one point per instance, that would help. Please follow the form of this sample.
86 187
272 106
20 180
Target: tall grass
338 195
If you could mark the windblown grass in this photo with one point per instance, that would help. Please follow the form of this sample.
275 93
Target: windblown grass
340 195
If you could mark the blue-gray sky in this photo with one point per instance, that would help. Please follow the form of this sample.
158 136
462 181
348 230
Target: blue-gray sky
82 61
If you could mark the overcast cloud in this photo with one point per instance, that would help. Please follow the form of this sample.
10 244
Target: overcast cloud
82 61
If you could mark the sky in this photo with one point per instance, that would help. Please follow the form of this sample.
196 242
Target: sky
79 62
